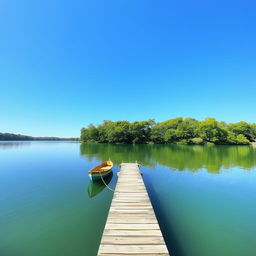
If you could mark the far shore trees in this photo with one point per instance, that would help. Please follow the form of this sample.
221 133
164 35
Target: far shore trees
12 137
173 131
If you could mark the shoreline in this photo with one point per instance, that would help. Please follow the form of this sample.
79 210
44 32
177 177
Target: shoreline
253 144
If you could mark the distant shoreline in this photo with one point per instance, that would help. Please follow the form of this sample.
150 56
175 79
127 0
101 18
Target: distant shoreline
40 140
253 144
20 137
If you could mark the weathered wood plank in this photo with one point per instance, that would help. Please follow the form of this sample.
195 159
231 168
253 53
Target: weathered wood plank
131 227
156 248
132 233
127 204
133 240
132 220
140 254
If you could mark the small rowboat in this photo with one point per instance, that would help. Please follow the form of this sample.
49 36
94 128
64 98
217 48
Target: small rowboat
101 170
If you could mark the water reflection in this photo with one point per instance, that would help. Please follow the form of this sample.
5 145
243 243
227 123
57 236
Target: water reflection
13 144
96 187
178 157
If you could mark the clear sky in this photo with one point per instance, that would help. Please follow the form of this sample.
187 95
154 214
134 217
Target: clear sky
65 64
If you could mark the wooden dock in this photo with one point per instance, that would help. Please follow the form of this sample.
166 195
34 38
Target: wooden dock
131 227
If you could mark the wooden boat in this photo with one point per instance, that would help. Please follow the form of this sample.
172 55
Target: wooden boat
101 170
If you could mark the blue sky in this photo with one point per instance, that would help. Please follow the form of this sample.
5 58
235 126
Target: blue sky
65 64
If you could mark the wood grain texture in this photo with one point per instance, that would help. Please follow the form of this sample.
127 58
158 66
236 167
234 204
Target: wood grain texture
131 227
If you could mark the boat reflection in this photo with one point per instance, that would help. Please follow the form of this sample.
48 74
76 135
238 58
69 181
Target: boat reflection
96 187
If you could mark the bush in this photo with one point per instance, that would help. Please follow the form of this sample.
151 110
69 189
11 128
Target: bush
242 140
197 141
183 142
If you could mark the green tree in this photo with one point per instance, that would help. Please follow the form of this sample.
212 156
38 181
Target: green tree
170 136
242 128
231 138
159 132
210 131
253 127
140 131
187 129
89 134
241 139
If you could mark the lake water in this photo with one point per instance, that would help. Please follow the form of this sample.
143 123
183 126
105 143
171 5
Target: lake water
204 197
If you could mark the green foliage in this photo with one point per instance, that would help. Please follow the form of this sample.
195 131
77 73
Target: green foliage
165 132
90 134
173 131
210 131
253 126
241 139
183 142
118 132
243 128
232 138
140 131
170 136
197 141
157 134
187 129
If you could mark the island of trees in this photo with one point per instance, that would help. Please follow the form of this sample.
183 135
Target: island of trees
11 136
173 131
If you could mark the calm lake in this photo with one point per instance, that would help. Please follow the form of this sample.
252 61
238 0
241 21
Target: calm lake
204 197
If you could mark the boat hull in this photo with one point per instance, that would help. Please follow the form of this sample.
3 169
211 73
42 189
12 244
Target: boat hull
97 176
101 170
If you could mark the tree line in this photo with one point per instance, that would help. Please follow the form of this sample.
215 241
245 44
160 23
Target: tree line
174 131
12 136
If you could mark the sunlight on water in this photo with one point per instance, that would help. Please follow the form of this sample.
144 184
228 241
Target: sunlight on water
204 197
